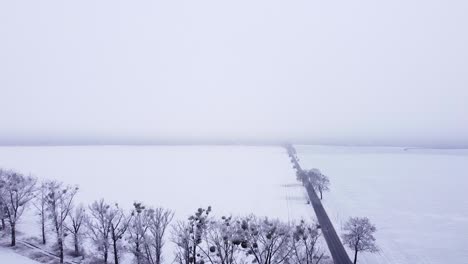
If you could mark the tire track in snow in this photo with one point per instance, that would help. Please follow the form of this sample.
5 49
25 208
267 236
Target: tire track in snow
44 252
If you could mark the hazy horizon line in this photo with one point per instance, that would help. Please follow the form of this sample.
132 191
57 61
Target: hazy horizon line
173 142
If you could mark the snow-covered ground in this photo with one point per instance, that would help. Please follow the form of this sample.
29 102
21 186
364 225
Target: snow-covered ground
416 198
235 179
8 256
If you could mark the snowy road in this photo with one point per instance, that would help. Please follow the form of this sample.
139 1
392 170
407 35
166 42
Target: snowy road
333 241
331 237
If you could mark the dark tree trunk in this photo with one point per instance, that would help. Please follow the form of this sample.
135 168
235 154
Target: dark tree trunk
138 253
105 254
43 231
355 256
3 223
60 244
114 244
320 191
194 253
116 255
13 235
158 256
77 248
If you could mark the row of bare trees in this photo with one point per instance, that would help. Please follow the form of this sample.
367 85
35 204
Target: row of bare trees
107 226
110 230
229 240
53 201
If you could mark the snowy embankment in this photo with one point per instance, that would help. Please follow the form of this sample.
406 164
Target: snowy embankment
416 198
233 180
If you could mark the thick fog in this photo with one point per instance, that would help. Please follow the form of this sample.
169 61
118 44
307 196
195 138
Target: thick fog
330 72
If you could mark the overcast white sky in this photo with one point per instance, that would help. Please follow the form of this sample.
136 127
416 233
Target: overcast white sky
346 72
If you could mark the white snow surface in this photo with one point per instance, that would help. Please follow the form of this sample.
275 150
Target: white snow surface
8 256
235 180
416 198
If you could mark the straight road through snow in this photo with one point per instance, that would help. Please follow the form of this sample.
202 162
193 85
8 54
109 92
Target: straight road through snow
334 244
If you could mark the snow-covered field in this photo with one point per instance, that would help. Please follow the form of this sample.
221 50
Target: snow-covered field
233 180
7 256
416 198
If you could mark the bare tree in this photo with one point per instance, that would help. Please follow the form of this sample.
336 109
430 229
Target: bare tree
137 230
40 203
2 200
75 227
223 239
107 224
2 214
189 237
359 235
181 237
158 220
99 226
59 204
305 249
119 223
197 226
320 181
267 241
204 240
219 241
301 176
17 191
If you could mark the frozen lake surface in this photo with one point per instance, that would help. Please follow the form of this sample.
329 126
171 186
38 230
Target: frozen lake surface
416 197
